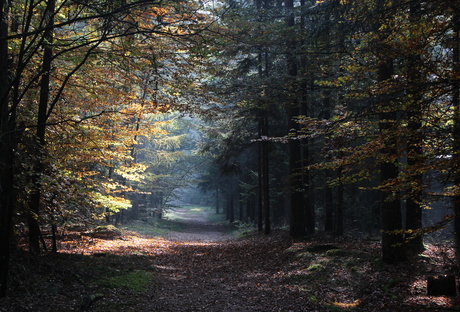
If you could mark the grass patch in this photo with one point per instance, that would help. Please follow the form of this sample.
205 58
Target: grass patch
242 229
136 281
153 226
343 270
168 225
314 267
199 209
213 217
107 228
173 220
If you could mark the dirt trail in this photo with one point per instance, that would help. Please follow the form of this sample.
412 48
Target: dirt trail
202 268
197 228
208 270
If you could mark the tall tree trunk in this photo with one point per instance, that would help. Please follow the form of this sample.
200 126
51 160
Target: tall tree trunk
53 234
309 207
297 216
217 199
134 208
328 206
306 86
456 130
7 146
391 215
414 145
392 251
240 207
338 228
231 211
230 198
328 201
266 176
260 188
7 200
35 197
249 211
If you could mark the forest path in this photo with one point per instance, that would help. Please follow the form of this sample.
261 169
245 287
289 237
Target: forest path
206 269
190 262
197 225
187 262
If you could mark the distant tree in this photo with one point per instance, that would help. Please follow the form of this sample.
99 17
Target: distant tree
456 107
298 218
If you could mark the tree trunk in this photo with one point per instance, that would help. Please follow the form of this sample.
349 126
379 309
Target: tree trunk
7 200
391 215
338 228
266 177
35 197
7 147
231 212
217 199
241 208
53 235
249 211
297 217
414 145
230 198
306 86
456 130
328 201
392 251
309 207
328 207
134 207
260 189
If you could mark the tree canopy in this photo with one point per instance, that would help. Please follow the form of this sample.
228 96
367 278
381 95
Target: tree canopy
337 116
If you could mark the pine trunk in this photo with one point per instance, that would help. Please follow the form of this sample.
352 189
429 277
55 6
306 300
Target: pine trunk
266 177
456 130
297 217
260 188
392 251
7 147
414 145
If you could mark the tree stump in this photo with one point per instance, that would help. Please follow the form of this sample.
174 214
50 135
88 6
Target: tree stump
442 285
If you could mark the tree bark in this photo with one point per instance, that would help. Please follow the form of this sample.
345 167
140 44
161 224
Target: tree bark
7 201
260 188
392 251
297 217
217 199
456 129
266 176
391 215
7 147
35 197
306 86
414 146
338 228
328 207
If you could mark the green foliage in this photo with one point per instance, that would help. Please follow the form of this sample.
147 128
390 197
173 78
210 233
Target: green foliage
113 204
137 281
107 229
322 248
314 267
244 229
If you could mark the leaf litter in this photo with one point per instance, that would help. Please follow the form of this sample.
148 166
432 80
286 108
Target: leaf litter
201 268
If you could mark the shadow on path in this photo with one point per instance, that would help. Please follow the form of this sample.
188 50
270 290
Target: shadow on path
206 269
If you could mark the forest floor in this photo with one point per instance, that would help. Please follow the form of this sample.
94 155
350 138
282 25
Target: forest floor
192 262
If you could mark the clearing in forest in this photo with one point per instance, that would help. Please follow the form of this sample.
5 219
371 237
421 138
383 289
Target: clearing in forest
192 262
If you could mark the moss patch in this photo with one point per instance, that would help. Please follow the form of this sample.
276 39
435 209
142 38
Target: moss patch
136 281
